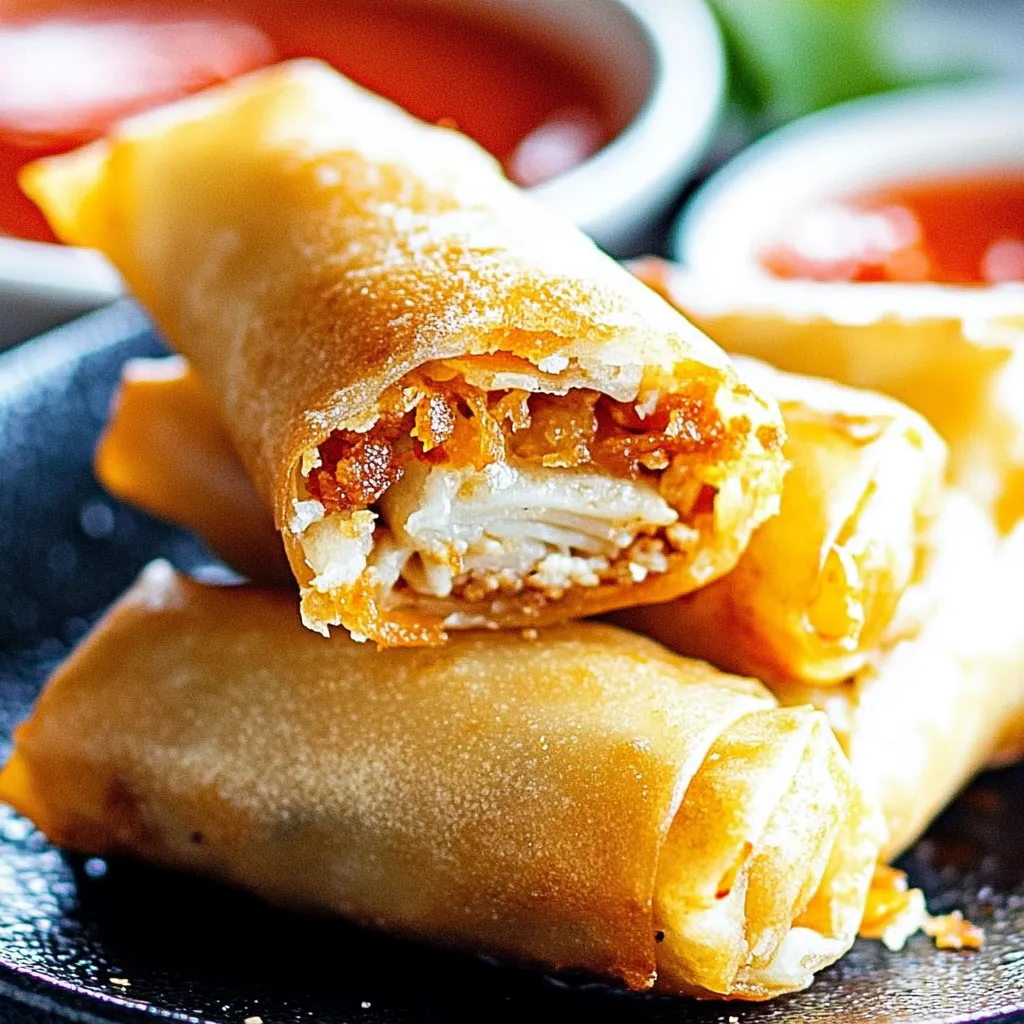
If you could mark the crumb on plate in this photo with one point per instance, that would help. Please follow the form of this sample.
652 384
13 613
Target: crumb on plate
894 912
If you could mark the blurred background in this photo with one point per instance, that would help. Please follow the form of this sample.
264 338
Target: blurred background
789 57
613 111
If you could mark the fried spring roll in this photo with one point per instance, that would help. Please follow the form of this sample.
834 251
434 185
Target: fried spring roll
943 693
818 587
956 355
944 696
165 451
458 410
810 598
581 800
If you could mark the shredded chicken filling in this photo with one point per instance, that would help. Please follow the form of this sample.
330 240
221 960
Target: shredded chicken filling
455 491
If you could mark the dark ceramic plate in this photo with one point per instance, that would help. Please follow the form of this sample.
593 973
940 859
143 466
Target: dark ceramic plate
86 940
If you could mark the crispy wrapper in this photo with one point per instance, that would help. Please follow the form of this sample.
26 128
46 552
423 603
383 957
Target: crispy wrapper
458 410
956 355
584 799
817 589
944 696
165 451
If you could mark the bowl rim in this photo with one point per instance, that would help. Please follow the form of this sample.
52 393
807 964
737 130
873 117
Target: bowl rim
666 136
719 231
663 141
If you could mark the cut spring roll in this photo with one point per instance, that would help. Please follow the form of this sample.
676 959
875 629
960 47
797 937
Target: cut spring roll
956 355
582 800
944 695
458 410
818 587
811 597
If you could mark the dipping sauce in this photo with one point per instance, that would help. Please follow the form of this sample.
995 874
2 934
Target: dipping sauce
67 73
964 231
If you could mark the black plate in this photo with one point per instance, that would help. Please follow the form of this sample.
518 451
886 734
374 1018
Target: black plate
72 931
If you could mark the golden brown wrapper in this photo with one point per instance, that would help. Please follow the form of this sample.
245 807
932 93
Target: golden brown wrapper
307 246
944 695
956 355
584 799
818 586
165 451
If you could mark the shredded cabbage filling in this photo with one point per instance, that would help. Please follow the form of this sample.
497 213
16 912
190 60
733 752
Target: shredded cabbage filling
453 490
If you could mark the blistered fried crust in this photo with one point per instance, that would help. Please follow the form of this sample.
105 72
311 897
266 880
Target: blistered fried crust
308 246
501 794
944 693
819 584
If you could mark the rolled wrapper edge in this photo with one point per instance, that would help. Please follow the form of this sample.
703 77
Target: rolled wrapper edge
572 754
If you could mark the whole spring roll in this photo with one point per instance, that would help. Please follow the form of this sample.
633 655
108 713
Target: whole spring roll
582 800
956 355
819 584
458 410
943 696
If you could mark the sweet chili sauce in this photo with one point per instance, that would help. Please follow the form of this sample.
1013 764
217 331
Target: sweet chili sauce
69 70
957 230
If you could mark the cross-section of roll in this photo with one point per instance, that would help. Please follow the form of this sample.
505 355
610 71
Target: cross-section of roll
818 587
581 800
459 411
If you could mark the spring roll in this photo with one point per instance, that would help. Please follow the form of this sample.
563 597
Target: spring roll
956 355
812 595
818 587
584 799
166 452
942 695
458 410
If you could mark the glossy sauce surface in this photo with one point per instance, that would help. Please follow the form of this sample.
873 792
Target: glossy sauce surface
963 231
68 72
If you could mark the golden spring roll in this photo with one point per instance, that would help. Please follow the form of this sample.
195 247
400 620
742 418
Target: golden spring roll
942 695
584 799
956 355
166 452
812 595
1006 414
945 695
458 410
818 587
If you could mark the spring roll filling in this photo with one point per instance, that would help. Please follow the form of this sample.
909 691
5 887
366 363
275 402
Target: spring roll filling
452 489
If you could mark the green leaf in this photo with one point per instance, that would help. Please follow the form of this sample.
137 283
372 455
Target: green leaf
789 57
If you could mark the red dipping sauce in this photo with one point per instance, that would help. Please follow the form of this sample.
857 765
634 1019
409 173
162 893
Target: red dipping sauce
965 231
68 72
